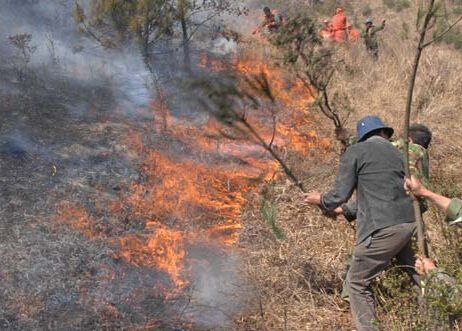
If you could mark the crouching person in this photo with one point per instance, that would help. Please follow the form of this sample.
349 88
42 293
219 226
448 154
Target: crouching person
385 217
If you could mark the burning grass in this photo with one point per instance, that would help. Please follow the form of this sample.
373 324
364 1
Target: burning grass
131 223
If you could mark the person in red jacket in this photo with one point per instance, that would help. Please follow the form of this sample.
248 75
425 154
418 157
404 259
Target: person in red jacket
353 33
326 31
339 25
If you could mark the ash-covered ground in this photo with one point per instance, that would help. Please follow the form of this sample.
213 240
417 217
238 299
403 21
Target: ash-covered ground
65 163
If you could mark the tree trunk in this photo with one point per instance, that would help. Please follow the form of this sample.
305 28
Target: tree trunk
186 49
421 242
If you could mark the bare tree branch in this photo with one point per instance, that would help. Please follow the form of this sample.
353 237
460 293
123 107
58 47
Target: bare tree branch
450 27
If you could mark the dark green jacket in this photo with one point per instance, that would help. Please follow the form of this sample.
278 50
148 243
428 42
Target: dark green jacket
370 36
375 169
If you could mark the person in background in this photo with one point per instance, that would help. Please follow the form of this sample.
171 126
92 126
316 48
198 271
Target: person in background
326 32
370 37
353 33
339 25
272 21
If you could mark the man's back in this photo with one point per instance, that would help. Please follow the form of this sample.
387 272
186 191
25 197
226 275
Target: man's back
376 170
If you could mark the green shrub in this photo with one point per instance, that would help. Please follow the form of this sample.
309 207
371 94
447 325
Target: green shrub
401 5
269 214
397 5
454 37
327 8
389 3
404 33
366 10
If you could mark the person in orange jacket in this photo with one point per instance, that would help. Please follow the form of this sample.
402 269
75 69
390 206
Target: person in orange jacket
339 25
326 31
353 33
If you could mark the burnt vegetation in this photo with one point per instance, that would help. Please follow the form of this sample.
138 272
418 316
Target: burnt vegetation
125 192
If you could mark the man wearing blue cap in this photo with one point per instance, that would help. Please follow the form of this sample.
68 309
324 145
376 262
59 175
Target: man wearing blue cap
385 217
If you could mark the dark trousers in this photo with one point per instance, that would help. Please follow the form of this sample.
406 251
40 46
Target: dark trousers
374 52
370 258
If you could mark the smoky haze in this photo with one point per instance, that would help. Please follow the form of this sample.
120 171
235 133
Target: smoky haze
63 151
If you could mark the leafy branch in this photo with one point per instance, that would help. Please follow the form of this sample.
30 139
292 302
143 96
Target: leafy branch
314 65
226 100
442 34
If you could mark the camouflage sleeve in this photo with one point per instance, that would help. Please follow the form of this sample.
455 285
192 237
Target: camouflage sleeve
454 212
378 28
418 160
426 166
277 19
418 163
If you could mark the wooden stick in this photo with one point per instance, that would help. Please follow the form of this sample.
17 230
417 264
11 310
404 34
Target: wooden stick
421 242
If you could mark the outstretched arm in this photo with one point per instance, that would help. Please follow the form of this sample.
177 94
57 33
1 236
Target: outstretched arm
344 186
415 186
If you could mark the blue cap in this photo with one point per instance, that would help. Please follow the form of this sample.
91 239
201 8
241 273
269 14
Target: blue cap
371 123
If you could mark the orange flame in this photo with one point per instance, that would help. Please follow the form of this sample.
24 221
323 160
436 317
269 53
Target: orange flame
198 194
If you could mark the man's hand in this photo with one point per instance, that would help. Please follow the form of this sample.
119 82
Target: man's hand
333 214
313 198
413 185
383 22
424 265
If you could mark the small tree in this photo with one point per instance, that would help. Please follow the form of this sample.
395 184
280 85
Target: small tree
192 15
24 51
426 19
110 22
315 65
148 21
228 99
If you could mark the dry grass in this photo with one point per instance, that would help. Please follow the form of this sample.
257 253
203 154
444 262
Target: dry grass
299 279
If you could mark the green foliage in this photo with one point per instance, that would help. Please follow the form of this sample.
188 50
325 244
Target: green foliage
366 10
443 296
314 64
397 5
389 3
269 214
453 37
402 4
144 20
327 7
402 306
110 22
404 33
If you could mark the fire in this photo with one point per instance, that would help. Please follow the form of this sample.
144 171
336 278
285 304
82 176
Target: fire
162 249
75 217
193 181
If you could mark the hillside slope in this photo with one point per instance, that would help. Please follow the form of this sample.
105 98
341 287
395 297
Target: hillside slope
299 278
